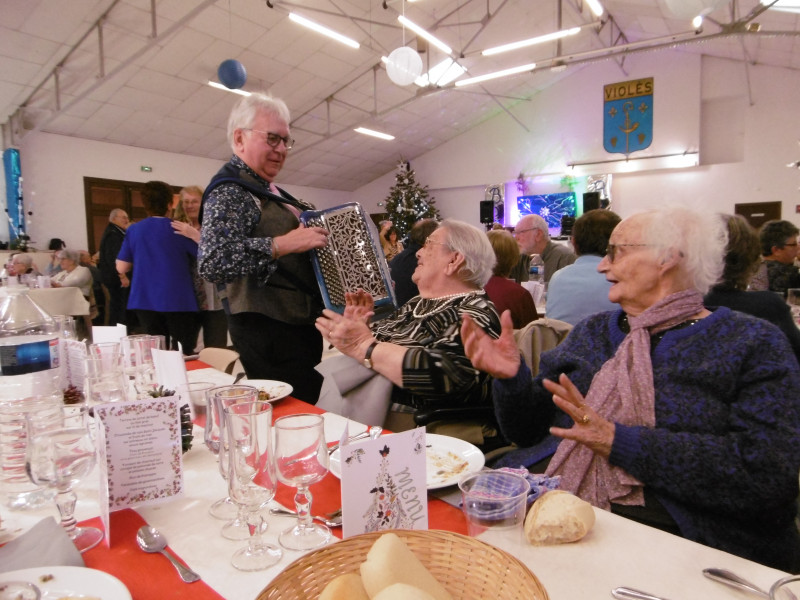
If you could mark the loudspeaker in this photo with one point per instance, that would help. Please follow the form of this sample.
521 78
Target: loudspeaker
487 211
591 201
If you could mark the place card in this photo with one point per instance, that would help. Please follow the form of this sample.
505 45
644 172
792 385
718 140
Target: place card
103 333
383 483
170 369
139 454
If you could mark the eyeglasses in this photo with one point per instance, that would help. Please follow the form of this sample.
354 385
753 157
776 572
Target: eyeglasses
273 139
429 242
795 244
518 231
611 250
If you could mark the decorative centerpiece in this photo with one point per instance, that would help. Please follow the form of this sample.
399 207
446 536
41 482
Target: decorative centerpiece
186 417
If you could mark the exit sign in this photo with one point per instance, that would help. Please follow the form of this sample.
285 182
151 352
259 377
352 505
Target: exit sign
146 169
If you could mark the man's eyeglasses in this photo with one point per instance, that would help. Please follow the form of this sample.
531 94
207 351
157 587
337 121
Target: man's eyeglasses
274 140
518 231
611 250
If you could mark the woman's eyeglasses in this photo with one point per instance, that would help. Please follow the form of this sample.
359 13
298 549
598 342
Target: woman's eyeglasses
611 249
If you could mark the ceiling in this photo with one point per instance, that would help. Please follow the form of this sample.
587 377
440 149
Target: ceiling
140 78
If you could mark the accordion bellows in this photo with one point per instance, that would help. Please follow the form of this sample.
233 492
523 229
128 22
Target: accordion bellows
352 259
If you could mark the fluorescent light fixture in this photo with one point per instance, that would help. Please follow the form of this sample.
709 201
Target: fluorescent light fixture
679 160
595 7
697 22
446 71
549 37
421 32
496 74
324 30
784 5
373 133
219 86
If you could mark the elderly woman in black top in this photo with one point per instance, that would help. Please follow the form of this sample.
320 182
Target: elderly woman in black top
419 348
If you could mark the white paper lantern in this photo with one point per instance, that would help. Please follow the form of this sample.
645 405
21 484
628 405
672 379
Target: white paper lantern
404 65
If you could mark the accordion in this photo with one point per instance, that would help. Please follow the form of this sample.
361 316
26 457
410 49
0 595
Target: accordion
352 259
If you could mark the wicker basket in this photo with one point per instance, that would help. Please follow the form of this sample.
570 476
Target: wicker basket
468 568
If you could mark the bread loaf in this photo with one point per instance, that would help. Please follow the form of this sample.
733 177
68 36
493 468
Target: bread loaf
403 591
390 561
558 517
345 587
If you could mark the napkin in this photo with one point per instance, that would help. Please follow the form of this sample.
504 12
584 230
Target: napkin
46 544
539 483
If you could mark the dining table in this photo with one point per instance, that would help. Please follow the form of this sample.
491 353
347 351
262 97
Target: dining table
616 551
57 301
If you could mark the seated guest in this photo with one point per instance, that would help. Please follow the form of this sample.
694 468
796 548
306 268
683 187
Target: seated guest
55 246
403 265
741 260
671 414
418 349
72 274
533 237
86 260
22 264
579 290
505 293
777 272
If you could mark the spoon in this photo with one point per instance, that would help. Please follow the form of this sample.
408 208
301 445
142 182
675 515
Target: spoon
372 433
734 581
151 540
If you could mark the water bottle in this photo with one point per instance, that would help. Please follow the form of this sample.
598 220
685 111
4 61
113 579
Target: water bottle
30 387
537 268
29 354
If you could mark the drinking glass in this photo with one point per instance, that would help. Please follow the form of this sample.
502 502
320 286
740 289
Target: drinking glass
301 458
236 528
58 457
251 477
138 362
194 394
224 508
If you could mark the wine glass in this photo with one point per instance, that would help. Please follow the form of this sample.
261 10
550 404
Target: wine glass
224 508
301 458
236 528
58 456
251 477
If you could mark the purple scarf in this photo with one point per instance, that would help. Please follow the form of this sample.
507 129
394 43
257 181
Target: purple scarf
622 392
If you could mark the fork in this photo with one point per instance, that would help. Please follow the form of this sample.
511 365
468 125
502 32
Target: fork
335 519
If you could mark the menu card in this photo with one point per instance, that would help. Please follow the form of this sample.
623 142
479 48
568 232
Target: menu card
383 483
139 454
73 354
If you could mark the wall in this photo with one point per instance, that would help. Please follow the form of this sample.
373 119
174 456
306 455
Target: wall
53 168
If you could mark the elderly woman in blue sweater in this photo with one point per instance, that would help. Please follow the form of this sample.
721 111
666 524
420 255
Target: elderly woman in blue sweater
669 413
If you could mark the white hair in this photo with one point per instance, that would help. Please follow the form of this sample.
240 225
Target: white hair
244 113
699 236
474 246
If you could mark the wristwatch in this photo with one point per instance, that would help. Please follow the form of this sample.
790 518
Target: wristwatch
368 355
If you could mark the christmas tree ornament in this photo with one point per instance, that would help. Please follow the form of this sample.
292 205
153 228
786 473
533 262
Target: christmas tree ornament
232 74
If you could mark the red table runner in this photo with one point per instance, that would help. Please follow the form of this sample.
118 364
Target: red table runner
125 561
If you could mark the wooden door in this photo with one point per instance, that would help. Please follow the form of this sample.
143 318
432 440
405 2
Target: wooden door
758 213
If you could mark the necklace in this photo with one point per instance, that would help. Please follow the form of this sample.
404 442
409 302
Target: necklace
440 303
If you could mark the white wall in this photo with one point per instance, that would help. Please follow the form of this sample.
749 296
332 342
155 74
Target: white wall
746 136
53 168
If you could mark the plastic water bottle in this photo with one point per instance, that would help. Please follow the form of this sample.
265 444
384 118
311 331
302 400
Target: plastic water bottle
537 268
29 387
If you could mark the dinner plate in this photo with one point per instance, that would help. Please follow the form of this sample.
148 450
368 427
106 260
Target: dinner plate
448 459
71 582
275 389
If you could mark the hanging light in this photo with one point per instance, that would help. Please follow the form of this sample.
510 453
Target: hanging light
343 39
428 36
496 74
549 37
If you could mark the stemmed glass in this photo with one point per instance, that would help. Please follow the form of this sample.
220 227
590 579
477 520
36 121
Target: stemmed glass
224 508
301 458
58 456
251 477
235 529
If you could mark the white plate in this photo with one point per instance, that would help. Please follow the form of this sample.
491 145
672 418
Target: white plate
71 582
275 389
448 459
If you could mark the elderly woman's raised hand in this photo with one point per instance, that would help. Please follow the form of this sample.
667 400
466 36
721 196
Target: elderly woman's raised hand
590 428
359 305
186 230
500 357
349 336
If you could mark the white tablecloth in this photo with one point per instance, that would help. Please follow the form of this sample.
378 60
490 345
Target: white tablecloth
58 301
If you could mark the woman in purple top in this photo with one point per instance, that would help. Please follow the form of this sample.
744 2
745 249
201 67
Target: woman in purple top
162 292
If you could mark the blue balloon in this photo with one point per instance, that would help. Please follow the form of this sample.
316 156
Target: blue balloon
232 74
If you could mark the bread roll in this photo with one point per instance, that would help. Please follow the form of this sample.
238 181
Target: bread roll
558 517
403 591
345 587
390 561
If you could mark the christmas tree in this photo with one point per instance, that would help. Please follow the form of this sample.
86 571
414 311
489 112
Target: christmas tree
408 202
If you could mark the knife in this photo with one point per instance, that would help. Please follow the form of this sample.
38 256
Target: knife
625 593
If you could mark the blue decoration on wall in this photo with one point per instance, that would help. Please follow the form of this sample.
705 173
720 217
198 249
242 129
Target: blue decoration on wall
232 74
14 204
551 207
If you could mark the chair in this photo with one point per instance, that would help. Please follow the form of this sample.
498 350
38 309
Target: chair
221 359
539 336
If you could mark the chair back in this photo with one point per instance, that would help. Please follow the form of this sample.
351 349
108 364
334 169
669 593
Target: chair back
539 336
221 359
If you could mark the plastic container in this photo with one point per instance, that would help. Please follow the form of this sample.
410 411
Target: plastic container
537 268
